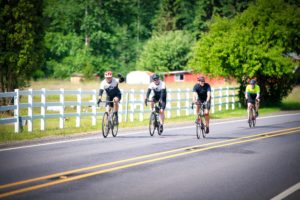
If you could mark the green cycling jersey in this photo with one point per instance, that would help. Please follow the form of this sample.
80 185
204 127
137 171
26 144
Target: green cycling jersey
251 90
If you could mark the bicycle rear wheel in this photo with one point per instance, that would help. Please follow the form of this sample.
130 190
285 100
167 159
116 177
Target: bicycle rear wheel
115 127
250 121
152 124
253 117
105 125
198 130
203 130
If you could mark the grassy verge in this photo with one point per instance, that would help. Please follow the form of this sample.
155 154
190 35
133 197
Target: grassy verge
7 134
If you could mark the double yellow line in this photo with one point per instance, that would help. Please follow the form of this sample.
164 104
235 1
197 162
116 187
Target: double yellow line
67 176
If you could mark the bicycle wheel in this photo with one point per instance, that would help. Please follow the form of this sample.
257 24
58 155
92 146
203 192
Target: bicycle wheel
198 130
159 131
250 118
114 127
105 125
203 130
152 124
253 117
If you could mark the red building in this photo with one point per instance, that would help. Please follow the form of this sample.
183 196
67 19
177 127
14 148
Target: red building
189 76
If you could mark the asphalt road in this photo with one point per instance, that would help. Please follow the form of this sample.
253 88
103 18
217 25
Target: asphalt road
233 162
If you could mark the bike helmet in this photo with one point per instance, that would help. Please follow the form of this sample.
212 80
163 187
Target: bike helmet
108 74
155 77
201 78
252 82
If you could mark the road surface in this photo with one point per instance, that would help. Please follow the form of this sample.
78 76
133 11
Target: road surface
233 162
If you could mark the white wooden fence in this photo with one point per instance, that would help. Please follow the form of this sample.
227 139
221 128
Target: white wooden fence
131 106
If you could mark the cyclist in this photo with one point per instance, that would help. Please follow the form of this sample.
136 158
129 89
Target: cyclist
252 96
160 95
113 93
202 94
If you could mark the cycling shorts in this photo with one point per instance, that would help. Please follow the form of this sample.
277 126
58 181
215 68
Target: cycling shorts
111 98
162 105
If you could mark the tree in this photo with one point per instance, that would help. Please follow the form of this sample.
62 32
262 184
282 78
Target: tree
21 42
166 52
253 44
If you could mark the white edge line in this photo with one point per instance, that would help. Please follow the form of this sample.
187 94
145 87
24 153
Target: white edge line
287 192
125 134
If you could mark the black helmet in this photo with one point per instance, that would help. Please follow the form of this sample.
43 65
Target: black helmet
155 77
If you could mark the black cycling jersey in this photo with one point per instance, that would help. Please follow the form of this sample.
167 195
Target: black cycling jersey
202 91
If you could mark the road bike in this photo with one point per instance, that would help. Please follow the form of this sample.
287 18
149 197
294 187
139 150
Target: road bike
154 123
252 116
109 121
200 121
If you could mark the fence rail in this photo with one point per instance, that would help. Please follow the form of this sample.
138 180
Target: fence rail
84 101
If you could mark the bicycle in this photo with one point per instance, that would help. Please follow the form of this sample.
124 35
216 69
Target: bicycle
109 122
154 123
200 121
252 116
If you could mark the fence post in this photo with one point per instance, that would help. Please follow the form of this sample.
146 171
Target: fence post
187 96
227 98
94 110
30 102
17 111
142 97
220 98
212 100
43 109
178 102
126 106
121 107
169 104
62 110
78 117
233 99
132 92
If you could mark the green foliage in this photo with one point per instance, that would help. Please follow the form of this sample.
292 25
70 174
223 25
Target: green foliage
21 47
166 52
253 44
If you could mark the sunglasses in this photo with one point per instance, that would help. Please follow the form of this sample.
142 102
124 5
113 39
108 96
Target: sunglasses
155 79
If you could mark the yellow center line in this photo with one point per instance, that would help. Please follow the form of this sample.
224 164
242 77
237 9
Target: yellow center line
136 164
133 159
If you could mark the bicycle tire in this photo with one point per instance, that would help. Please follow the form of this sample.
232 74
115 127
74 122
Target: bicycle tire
152 124
250 121
158 128
198 129
254 117
105 125
203 130
114 125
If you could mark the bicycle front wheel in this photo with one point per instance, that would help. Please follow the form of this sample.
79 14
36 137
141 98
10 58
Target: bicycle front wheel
105 125
114 128
152 124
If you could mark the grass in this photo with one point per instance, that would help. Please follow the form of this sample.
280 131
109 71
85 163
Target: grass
292 102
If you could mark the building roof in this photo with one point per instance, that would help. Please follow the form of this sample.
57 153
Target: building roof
178 72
